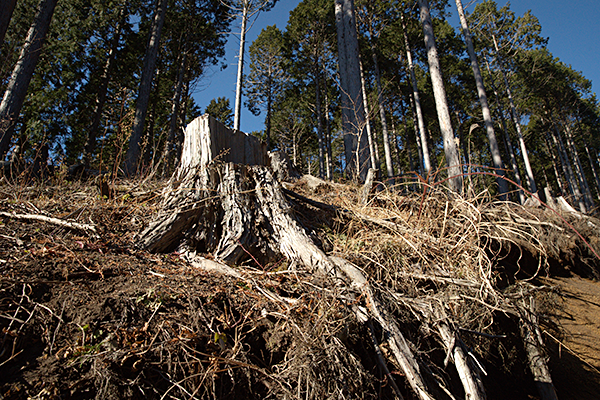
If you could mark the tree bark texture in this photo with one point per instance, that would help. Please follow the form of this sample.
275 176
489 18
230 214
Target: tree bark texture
353 113
485 109
441 103
16 90
141 107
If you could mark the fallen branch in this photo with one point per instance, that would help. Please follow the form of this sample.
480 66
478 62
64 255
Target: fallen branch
55 221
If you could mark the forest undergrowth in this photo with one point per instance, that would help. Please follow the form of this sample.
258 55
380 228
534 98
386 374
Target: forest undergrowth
86 313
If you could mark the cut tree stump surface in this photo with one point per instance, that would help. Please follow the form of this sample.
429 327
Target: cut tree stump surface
206 140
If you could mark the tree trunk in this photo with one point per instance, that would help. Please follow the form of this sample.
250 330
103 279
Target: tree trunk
516 120
141 106
417 135
591 160
16 90
328 154
422 138
240 71
384 128
174 127
559 182
441 104
567 168
587 195
507 142
6 12
353 113
319 116
269 111
90 146
372 152
485 109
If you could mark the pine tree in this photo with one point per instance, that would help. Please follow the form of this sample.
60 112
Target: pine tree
220 110
266 76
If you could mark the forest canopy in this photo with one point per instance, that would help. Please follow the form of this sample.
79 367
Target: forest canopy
113 87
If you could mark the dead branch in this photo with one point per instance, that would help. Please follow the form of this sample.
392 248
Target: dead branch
55 221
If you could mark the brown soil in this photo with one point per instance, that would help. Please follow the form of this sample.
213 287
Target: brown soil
574 344
94 317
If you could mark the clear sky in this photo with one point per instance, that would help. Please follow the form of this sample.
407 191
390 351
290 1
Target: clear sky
572 26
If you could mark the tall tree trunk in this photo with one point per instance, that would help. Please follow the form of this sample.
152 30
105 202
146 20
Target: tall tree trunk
372 152
6 12
183 108
141 106
384 127
567 168
16 90
507 142
441 104
90 145
585 187
422 138
516 120
591 160
353 113
328 154
174 127
319 118
268 116
485 109
559 182
422 169
381 105
240 71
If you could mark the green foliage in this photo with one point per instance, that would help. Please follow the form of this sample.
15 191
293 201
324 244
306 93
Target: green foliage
63 94
288 70
221 110
267 75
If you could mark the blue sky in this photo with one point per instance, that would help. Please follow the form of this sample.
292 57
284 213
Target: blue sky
572 26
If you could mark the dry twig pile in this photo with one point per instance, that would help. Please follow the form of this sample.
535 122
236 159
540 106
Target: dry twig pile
312 295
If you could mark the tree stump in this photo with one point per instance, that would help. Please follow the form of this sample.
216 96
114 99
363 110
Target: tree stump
237 213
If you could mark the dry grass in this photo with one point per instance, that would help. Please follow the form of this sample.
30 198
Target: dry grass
469 262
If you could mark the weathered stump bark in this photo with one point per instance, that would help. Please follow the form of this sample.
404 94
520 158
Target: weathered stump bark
237 213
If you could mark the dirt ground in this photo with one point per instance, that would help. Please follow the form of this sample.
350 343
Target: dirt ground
84 316
575 345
